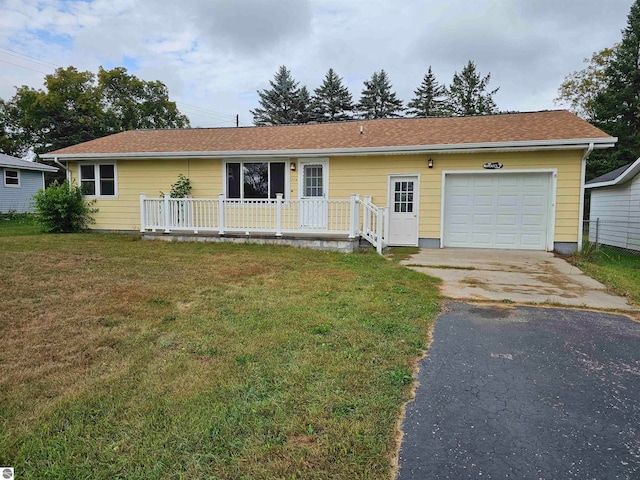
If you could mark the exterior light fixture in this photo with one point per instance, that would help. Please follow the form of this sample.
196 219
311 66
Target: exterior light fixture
293 166
430 163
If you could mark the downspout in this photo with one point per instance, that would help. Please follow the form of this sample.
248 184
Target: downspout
66 169
587 152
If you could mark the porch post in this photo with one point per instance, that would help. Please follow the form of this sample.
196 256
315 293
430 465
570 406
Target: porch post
386 224
278 214
221 214
354 203
167 214
379 220
143 216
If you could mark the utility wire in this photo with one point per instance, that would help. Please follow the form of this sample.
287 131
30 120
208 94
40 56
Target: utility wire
222 118
22 66
13 53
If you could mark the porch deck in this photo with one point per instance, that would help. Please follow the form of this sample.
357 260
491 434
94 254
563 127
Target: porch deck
314 223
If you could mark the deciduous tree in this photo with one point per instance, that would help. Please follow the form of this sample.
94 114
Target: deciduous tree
74 108
579 89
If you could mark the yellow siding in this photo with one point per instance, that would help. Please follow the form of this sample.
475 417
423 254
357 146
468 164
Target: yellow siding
365 175
369 176
151 177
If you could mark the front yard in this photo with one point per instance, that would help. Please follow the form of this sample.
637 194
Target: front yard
130 359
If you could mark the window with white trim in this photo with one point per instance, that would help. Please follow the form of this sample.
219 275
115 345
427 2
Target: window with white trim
98 179
11 178
252 180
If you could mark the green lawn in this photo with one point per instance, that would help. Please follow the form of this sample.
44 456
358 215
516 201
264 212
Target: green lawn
620 270
145 360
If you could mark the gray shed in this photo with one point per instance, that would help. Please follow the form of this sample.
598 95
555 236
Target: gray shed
615 207
19 181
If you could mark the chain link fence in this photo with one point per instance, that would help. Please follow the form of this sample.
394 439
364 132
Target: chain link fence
623 237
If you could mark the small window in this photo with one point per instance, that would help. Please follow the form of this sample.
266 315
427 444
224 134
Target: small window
98 180
11 178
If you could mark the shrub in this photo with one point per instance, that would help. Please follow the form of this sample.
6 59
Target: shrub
181 189
62 208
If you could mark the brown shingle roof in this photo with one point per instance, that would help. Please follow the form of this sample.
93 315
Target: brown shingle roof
401 132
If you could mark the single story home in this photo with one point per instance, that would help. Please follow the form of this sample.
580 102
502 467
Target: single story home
21 180
511 181
614 212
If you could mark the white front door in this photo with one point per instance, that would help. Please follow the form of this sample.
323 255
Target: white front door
312 190
404 193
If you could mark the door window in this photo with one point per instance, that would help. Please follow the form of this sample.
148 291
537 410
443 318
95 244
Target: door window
313 181
403 197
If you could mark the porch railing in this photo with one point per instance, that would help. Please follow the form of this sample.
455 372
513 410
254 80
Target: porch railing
352 217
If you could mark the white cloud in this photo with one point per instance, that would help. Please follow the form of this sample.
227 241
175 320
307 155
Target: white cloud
215 54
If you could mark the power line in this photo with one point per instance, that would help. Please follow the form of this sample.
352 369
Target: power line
222 118
19 55
22 66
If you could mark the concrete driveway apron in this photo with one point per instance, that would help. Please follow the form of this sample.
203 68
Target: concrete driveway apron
520 276
524 392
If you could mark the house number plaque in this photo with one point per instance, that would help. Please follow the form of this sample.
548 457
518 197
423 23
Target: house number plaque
492 165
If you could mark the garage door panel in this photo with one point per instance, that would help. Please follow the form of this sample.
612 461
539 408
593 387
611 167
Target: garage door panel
507 220
533 221
506 181
505 210
533 200
507 200
483 200
482 220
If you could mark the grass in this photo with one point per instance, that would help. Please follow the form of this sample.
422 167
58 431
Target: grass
18 224
617 269
398 254
147 360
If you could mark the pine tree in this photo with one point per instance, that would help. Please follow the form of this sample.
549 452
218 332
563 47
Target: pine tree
377 100
282 104
468 95
617 108
304 111
332 101
430 98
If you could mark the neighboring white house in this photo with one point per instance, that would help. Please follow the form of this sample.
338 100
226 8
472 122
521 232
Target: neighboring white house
615 207
19 182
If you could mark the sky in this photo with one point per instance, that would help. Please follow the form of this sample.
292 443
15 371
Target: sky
214 55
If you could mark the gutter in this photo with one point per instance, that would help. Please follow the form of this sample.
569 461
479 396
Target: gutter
530 145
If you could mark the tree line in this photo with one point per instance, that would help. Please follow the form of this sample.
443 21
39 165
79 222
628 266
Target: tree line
79 106
286 102
606 93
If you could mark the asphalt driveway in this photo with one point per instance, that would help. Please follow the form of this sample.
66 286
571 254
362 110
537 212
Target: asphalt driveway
519 276
540 393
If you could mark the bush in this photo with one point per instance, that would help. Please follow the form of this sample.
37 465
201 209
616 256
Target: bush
62 208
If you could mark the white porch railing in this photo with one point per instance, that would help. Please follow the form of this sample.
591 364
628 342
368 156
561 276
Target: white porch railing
268 216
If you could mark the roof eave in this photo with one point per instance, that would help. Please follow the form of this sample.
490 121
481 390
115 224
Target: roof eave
627 175
40 168
529 145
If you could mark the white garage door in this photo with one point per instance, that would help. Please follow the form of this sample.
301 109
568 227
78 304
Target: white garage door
497 210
